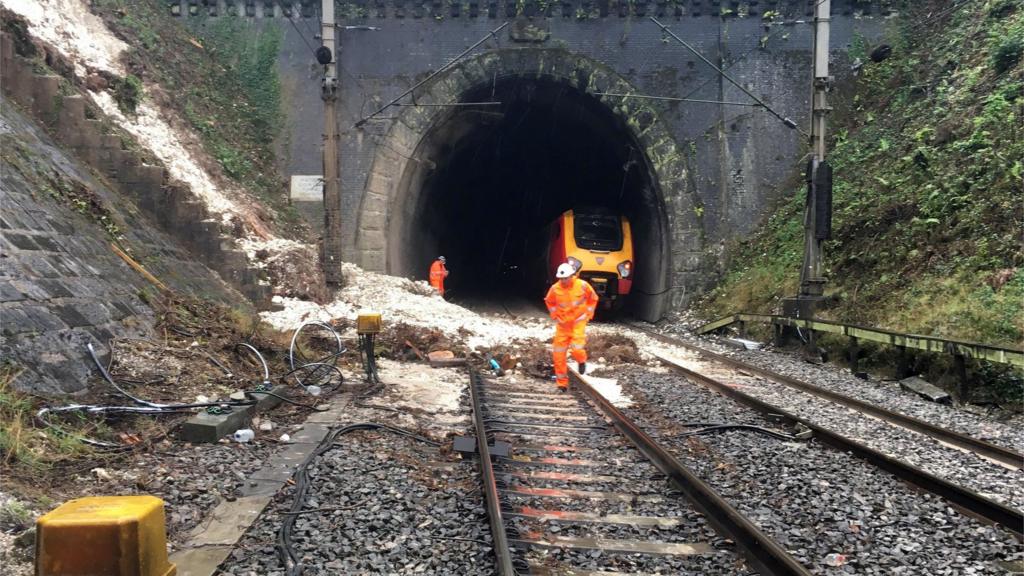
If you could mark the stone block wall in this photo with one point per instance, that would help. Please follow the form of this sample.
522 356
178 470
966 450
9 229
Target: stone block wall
171 204
62 284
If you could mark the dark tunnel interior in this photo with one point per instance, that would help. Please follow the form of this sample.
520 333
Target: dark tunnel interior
490 178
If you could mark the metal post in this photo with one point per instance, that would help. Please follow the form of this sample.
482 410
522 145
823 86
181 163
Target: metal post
332 173
811 280
853 355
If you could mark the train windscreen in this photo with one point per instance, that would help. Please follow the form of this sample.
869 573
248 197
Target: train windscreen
598 232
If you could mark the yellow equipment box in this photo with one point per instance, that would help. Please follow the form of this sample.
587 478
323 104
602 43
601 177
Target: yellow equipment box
104 535
368 323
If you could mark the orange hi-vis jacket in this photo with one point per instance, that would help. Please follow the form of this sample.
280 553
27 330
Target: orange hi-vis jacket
438 272
568 305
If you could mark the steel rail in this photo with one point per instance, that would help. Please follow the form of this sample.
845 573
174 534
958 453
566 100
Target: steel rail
766 555
965 499
502 551
1000 454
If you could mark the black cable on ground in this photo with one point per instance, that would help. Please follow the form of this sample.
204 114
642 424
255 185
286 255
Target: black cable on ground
366 347
288 400
156 405
284 535
709 427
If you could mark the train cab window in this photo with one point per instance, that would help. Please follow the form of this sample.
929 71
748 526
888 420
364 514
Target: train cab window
598 232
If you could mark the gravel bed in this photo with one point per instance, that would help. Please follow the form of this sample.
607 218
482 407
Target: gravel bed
964 468
547 419
816 501
665 509
690 531
1008 433
404 518
719 562
198 478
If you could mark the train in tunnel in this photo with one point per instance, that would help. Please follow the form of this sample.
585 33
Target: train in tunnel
598 242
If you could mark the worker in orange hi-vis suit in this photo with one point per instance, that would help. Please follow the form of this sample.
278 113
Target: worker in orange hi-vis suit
438 272
571 303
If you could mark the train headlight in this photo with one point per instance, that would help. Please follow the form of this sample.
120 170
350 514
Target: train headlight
575 263
625 269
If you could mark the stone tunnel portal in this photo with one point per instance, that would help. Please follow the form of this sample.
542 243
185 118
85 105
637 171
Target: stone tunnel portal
488 179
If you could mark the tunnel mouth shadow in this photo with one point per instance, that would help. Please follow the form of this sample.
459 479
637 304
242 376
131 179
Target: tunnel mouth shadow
486 180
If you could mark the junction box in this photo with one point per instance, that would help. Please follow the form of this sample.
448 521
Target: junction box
113 535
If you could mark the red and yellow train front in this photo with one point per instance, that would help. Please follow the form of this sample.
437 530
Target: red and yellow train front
599 244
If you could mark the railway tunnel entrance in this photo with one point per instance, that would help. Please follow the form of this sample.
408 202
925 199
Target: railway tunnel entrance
527 140
490 178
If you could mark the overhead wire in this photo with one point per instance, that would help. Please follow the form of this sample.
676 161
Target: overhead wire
785 120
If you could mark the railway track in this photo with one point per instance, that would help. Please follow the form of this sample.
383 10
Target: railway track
728 382
1004 455
573 486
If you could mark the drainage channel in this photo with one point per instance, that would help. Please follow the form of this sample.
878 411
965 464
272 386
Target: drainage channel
573 486
1003 455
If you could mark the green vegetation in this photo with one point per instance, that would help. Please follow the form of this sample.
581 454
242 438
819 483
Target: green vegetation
220 74
23 446
927 152
127 93
72 193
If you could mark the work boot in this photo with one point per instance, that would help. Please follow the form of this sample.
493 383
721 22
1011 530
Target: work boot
583 368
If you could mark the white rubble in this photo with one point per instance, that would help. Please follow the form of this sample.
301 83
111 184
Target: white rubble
70 27
612 392
404 300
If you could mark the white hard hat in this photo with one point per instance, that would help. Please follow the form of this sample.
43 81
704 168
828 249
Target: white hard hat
441 258
565 270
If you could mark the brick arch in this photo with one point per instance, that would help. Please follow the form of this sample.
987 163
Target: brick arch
391 184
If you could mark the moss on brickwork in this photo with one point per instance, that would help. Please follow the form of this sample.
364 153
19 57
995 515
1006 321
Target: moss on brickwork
928 155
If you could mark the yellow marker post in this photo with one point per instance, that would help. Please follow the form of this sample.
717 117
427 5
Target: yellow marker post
110 535
368 323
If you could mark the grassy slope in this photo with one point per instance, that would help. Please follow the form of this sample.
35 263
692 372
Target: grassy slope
222 78
928 154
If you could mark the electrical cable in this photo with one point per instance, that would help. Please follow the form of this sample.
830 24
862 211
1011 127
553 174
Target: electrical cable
295 336
251 348
366 348
156 405
789 123
284 545
750 427
297 31
447 65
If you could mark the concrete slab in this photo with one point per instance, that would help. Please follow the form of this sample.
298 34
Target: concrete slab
283 464
199 561
206 427
228 521
211 542
255 487
335 412
925 389
311 433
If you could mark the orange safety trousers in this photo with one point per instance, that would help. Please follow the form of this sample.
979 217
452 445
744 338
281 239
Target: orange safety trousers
437 274
571 307
569 338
